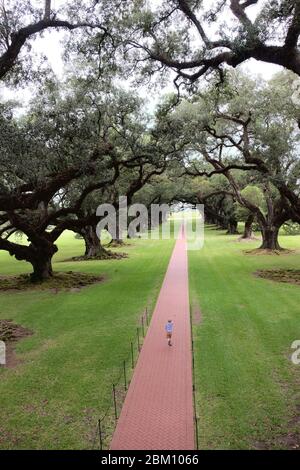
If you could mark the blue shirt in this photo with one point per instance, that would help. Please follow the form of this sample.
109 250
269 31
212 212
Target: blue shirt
169 327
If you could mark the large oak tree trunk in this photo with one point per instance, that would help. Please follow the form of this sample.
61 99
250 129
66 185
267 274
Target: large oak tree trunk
42 269
248 227
232 227
270 238
117 240
40 256
93 247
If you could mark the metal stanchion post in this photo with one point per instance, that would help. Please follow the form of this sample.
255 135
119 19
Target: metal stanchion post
143 329
132 356
138 338
115 403
100 434
125 382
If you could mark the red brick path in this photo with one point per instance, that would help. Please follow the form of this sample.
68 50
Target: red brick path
158 409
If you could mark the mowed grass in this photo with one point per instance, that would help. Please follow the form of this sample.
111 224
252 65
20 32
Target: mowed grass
54 397
248 390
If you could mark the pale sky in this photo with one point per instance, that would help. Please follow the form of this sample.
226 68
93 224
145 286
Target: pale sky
50 45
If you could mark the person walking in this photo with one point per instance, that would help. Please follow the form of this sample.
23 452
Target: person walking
169 330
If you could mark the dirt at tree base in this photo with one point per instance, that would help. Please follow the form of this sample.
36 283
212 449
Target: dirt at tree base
285 441
109 256
11 333
289 442
264 251
248 239
291 276
114 244
58 282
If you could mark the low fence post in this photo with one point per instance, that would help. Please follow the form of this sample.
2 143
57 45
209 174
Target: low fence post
115 403
138 338
100 434
132 356
197 437
125 381
143 329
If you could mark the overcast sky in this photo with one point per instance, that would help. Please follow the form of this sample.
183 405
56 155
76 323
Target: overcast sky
50 45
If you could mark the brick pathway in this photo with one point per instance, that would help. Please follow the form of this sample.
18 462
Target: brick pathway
158 409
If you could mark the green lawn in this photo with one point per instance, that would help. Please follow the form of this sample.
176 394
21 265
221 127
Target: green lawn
248 391
247 387
54 398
